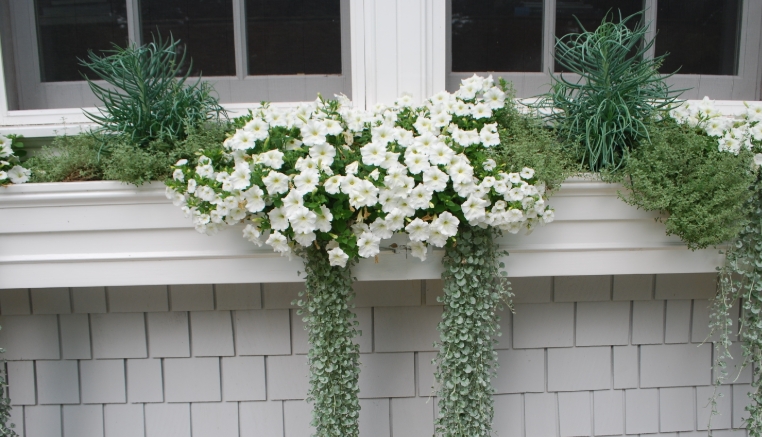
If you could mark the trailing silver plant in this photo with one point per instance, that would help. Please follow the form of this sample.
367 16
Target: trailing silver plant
740 279
334 359
474 291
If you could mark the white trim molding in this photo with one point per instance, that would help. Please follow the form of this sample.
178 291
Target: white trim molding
109 233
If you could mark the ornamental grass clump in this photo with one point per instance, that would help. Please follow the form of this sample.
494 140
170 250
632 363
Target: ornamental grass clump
604 109
148 99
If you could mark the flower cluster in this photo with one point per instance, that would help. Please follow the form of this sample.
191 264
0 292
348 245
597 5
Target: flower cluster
10 171
344 178
732 134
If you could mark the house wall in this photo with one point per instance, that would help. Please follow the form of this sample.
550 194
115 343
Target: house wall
588 355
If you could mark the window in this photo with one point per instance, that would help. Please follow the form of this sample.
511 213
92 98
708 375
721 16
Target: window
250 50
714 43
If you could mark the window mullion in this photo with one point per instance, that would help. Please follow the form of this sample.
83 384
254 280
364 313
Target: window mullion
548 34
649 17
239 31
133 21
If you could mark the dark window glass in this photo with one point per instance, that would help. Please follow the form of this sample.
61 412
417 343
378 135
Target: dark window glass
66 30
591 13
496 35
204 28
701 36
293 36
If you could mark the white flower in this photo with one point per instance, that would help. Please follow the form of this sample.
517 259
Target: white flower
418 249
254 199
756 131
495 98
423 125
241 140
306 164
435 179
323 220
192 186
314 132
473 209
446 223
278 219
19 174
350 184
729 144
205 171
382 134
395 220
351 169
380 228
420 197
367 245
258 128
548 216
279 243
373 153
205 193
323 152
337 257
332 184
754 112
436 237
418 230
292 202
5 147
481 110
526 173
440 154
374 175
179 163
715 127
333 127
489 137
489 164
293 144
461 173
178 175
272 158
306 181
304 239
416 162
240 177
275 182
253 234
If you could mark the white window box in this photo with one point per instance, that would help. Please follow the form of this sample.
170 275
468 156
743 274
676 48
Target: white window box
108 233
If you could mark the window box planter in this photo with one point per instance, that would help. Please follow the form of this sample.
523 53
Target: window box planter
109 233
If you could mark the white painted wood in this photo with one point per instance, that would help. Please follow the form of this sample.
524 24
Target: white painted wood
109 234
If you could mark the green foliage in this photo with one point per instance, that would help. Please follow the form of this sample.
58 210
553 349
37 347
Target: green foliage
604 113
7 429
148 100
526 142
473 293
681 172
75 158
67 159
741 278
334 358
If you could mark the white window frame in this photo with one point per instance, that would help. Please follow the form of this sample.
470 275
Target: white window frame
53 122
746 82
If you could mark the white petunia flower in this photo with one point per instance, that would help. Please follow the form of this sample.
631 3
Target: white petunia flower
418 249
255 201
258 128
192 186
253 234
292 202
178 175
435 179
306 181
447 224
420 197
527 173
395 220
304 239
241 140
481 110
276 183
351 169
314 132
337 257
323 219
373 153
272 158
323 152
333 184
495 98
367 245
5 146
416 162
474 209
278 219
380 228
382 134
205 171
418 230
333 127
489 164
279 243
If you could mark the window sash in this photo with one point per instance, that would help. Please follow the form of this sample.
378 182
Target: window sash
744 85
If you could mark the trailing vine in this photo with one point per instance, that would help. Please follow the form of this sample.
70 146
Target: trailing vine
473 293
333 357
741 278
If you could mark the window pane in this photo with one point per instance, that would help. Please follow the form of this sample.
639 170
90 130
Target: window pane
66 30
293 37
204 27
701 36
496 35
591 13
